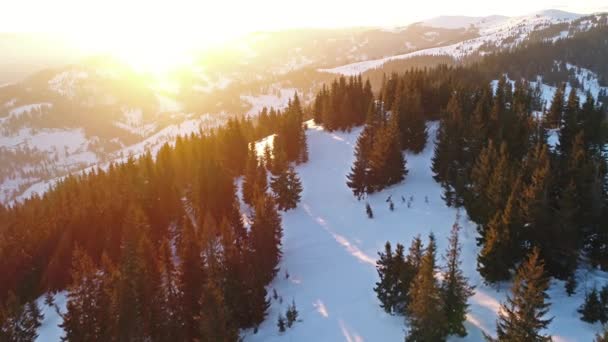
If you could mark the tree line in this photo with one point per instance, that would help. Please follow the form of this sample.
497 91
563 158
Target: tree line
155 248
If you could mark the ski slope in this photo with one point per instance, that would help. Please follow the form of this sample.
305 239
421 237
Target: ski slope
330 249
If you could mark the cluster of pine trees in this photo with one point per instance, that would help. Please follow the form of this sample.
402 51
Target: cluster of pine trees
595 307
343 104
408 286
492 157
155 248
395 122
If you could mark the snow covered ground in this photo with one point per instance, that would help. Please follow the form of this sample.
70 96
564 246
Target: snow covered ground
330 249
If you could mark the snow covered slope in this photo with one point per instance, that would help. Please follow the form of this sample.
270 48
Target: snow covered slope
330 249
493 31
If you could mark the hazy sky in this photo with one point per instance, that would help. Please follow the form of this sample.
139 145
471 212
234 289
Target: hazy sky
224 17
163 29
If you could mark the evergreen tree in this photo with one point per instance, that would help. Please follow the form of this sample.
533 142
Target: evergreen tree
385 288
556 111
368 210
455 289
250 177
357 179
387 164
19 322
281 323
592 309
570 126
292 314
521 318
415 253
287 188
426 315
265 239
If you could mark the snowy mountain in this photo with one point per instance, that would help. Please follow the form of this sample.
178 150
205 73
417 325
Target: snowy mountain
67 119
492 33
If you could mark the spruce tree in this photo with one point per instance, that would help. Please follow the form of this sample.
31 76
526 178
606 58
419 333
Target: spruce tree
455 288
592 309
291 314
387 163
19 322
357 179
556 111
287 188
368 210
385 288
249 179
426 315
266 233
521 318
281 323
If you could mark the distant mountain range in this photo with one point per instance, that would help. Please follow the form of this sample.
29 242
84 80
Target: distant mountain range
66 113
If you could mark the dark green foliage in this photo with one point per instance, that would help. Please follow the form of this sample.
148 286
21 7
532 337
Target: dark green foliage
368 211
522 316
592 310
291 314
287 187
19 322
425 311
455 289
281 323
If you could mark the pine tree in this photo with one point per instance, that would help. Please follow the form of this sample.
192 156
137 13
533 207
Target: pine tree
455 289
570 126
265 239
303 157
521 318
570 285
385 288
492 261
358 178
386 161
249 179
287 188
405 273
281 323
190 279
555 114
415 253
591 309
426 315
19 322
292 314
214 318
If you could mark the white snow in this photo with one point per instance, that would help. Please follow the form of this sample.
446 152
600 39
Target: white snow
49 330
276 98
133 121
66 83
330 248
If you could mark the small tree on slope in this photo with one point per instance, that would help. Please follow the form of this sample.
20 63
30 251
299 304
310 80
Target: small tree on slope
521 317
